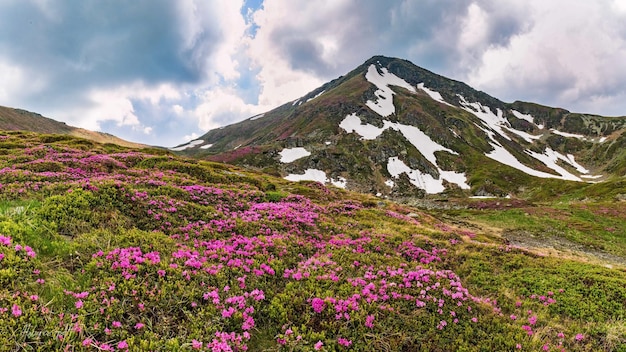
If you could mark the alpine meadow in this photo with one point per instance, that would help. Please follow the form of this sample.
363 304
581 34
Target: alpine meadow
391 209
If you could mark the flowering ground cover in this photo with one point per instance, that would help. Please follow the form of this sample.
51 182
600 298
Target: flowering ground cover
110 249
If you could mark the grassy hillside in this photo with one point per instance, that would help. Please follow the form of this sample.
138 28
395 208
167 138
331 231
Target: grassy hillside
22 120
108 248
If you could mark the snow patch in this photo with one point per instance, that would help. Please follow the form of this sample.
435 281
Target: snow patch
505 157
309 175
187 145
526 117
526 136
206 146
550 159
390 183
602 140
565 134
426 146
494 121
433 94
352 123
384 104
421 141
340 182
317 176
327 142
317 95
591 176
427 182
256 117
288 155
578 167
180 148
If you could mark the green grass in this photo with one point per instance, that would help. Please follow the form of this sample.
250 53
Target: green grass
596 226
355 236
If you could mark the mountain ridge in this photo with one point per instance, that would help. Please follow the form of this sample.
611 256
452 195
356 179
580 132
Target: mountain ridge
13 119
390 110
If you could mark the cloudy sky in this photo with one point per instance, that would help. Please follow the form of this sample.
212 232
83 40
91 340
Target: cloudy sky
165 71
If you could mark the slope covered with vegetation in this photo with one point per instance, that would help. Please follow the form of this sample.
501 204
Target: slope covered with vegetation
482 145
108 248
22 120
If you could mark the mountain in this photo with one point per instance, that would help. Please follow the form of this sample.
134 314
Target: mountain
394 129
21 120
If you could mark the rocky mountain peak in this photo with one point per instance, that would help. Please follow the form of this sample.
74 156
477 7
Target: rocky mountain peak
392 128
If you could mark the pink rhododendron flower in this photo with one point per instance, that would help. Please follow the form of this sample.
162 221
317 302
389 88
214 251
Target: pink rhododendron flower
579 337
318 345
344 342
5 240
227 313
16 310
318 305
528 329
122 345
139 326
369 321
195 344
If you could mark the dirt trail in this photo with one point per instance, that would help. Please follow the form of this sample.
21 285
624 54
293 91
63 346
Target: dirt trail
557 246
543 245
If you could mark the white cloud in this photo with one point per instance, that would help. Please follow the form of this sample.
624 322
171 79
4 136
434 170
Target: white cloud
474 28
619 5
178 109
116 105
209 68
222 106
197 18
316 25
191 137
570 56
17 82
13 79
